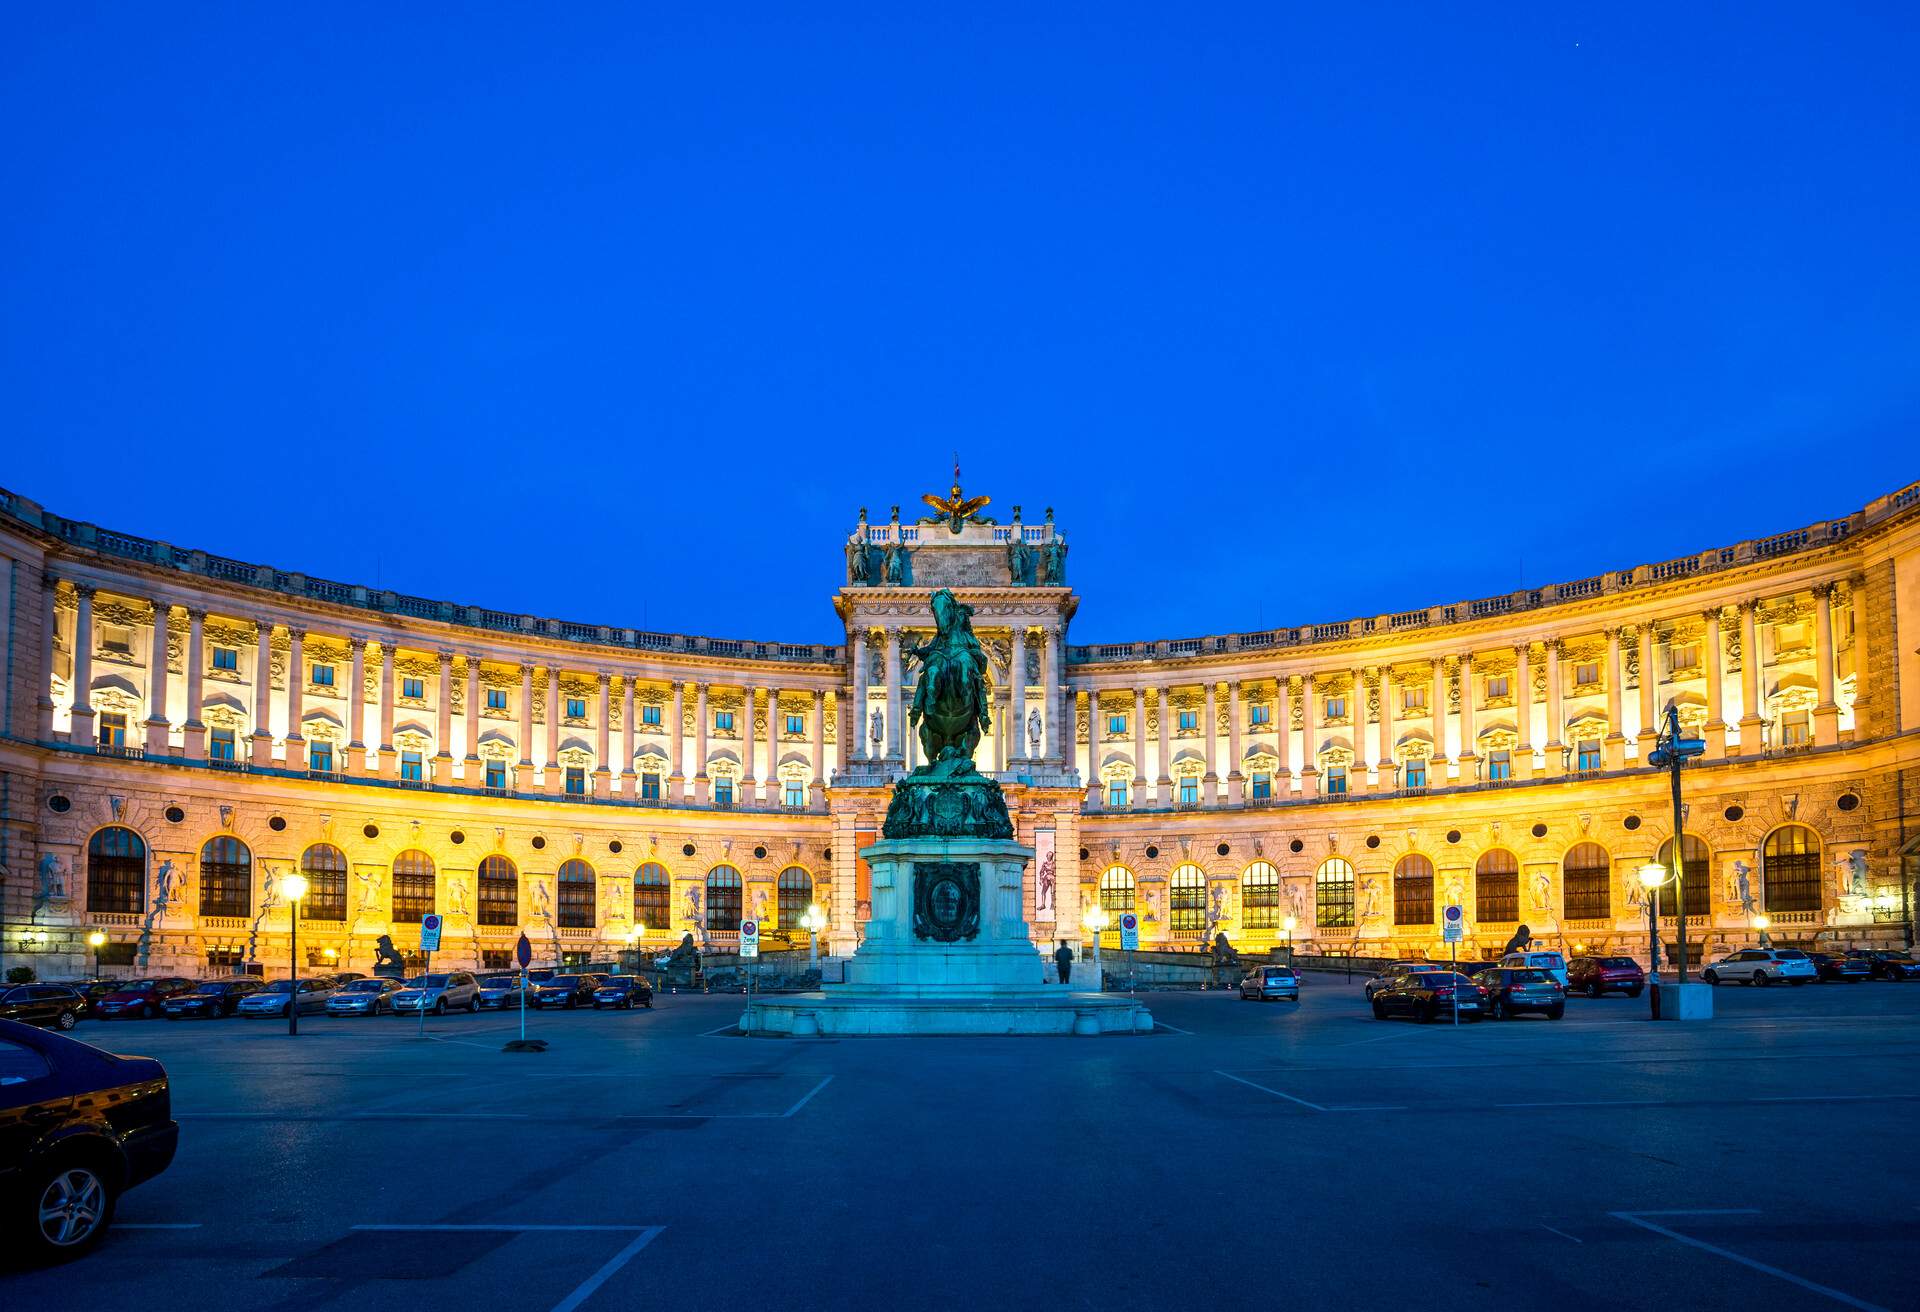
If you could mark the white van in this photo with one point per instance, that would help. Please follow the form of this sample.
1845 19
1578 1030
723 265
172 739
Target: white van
1552 962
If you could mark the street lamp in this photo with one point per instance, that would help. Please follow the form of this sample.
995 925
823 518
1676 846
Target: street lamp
1095 920
1762 923
1672 752
813 920
96 940
1652 876
295 887
1289 924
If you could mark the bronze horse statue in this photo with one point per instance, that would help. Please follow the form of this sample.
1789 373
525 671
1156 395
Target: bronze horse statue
950 701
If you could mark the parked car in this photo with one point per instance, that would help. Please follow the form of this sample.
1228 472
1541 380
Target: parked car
438 993
1834 969
1889 965
1392 972
1428 994
342 978
1512 990
1594 976
363 997
142 997
78 1128
92 988
1762 966
499 992
623 991
214 999
56 1005
1270 982
273 1000
1552 962
565 991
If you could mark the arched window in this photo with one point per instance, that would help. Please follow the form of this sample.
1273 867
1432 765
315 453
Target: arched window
723 900
650 887
1695 875
1116 890
499 891
576 894
226 877
325 867
412 886
1496 887
1790 869
1413 891
1187 898
1333 894
1260 896
1586 882
795 894
117 872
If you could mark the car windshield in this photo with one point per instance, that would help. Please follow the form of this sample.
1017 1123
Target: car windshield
281 986
1281 973
1432 981
364 986
564 982
1791 954
1527 977
432 981
499 982
1618 961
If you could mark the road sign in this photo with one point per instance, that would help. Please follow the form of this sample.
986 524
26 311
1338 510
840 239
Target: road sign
749 938
430 932
1453 924
1129 932
523 952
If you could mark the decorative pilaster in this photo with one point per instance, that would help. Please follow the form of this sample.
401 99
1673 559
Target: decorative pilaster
1648 730
1164 784
470 772
262 740
1467 744
1210 735
389 759
817 790
1614 747
602 743
443 725
1751 668
82 731
159 729
1523 709
853 728
523 769
1826 712
1137 796
677 780
896 742
193 735
49 648
1716 656
1437 719
701 719
296 740
628 780
1056 742
1556 717
550 773
1236 781
1309 737
1389 759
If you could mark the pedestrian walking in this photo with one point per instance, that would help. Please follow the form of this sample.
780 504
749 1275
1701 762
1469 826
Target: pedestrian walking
1063 957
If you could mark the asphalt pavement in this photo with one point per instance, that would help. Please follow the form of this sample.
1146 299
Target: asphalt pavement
1244 1153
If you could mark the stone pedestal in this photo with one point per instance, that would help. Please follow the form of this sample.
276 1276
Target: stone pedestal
1683 1001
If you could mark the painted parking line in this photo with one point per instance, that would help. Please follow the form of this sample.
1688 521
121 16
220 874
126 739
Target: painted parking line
352 1116
156 1225
642 1236
1640 1219
805 1098
1310 1106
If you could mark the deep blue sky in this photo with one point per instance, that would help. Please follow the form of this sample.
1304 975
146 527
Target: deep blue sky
619 316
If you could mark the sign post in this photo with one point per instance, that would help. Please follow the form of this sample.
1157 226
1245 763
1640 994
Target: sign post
429 944
1452 928
523 953
749 945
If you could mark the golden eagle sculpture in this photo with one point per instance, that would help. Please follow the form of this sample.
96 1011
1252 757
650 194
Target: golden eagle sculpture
956 507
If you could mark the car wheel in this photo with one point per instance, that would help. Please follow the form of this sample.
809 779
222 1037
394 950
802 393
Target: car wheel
473 1006
1379 1011
1555 1013
66 1020
69 1205
1594 990
440 1007
1760 978
1495 1011
1711 977
147 1011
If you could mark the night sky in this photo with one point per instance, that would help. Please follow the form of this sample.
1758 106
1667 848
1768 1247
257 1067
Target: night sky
1293 313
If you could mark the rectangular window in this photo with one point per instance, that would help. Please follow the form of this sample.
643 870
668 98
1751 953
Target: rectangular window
650 787
496 699
576 708
1336 708
320 755
1500 765
576 784
412 894
1589 756
1262 785
1189 790
415 688
226 658
1116 724
1586 673
410 766
113 729
650 715
1794 731
796 724
723 720
1415 775
795 793
1258 715
220 745
1336 779
1189 719
1684 658
116 637
723 791
1413 699
496 776
1117 792
322 675
1497 686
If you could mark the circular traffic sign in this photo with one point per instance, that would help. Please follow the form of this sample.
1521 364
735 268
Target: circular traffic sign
749 929
1453 914
1129 921
430 921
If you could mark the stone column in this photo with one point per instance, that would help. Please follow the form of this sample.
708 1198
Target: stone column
856 724
193 733
1389 762
263 692
443 725
1523 709
602 742
1467 745
629 782
158 727
356 754
49 649
1357 719
1614 746
389 759
1556 715
470 772
1309 737
1056 743
701 784
296 739
1826 712
1437 717
1716 654
677 780
1209 735
775 728
82 733
1752 668
1283 734
1017 696
1649 678
523 768
1164 783
1140 776
550 779
817 791
747 743
896 741
1236 781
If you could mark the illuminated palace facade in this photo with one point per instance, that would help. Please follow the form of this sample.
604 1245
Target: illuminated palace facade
179 731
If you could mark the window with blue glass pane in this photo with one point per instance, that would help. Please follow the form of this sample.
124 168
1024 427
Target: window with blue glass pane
1189 719
113 729
320 755
1499 765
322 676
1416 773
496 699
723 719
413 687
1262 785
723 790
1258 715
576 708
1116 724
1190 791
796 724
226 658
1117 793
650 715
220 745
1336 707
1336 779
650 787
795 793
576 780
496 774
1589 755
411 766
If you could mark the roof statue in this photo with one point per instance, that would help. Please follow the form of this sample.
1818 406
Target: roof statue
956 507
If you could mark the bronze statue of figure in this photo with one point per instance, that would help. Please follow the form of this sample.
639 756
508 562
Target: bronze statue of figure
1056 562
899 566
1019 558
857 560
950 699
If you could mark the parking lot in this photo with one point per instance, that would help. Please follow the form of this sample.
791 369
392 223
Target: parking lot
1271 1151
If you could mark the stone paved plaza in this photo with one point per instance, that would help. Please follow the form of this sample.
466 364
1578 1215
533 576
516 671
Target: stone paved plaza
1241 1153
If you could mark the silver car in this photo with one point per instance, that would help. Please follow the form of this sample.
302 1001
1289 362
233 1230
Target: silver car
1763 966
272 1000
439 994
1270 982
363 997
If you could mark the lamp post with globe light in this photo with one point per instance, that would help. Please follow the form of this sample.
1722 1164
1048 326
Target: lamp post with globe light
1095 920
295 887
1761 924
96 940
1672 751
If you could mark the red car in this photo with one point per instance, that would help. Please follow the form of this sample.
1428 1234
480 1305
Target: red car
1594 976
142 997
